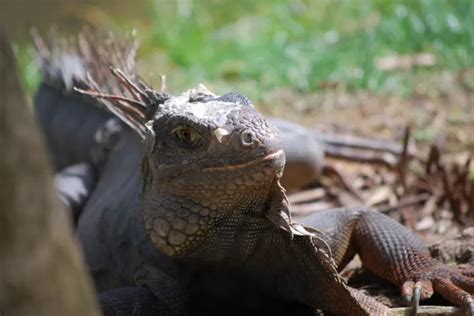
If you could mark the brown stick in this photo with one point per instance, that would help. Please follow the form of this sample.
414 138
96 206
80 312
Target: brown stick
425 311
329 170
112 97
363 143
127 82
42 272
406 202
403 161
357 155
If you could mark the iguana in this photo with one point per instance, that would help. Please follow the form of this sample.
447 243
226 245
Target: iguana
188 214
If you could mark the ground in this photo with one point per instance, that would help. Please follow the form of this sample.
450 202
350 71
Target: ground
440 113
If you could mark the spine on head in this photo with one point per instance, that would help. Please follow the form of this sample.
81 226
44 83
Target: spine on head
70 121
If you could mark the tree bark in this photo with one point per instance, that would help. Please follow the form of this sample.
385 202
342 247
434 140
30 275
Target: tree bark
41 269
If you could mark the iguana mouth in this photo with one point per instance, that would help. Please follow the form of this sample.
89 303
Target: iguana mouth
278 157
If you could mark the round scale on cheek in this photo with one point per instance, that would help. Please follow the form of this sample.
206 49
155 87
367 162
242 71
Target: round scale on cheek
183 212
179 224
186 204
175 206
196 208
161 227
169 215
192 229
193 218
161 244
176 238
204 212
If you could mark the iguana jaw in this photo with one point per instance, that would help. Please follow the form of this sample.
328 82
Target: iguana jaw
277 157
183 219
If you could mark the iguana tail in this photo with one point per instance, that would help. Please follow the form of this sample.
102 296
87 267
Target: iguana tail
77 127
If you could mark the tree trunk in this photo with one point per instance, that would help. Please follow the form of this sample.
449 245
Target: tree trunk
41 269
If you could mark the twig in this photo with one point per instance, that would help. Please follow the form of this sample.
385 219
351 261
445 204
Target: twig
405 202
387 159
364 143
111 97
425 311
403 161
40 45
127 82
331 170
433 158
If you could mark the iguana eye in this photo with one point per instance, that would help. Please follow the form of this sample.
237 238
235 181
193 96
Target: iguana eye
187 137
247 138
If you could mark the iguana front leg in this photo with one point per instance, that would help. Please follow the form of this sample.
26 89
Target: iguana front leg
394 253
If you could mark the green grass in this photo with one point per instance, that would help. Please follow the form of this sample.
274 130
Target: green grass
308 43
258 46
29 73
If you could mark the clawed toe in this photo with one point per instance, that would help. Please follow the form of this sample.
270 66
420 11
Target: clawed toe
464 282
470 308
407 292
469 272
455 294
416 297
414 292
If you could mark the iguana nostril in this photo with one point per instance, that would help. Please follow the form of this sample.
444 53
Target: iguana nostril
247 138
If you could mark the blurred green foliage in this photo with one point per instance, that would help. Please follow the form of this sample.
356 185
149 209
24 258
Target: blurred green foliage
30 75
304 44
301 44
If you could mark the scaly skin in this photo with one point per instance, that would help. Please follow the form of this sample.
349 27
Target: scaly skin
392 252
225 209
204 221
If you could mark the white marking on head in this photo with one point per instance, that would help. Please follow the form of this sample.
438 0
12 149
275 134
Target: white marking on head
220 133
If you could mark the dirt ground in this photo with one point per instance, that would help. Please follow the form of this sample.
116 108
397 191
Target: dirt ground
428 185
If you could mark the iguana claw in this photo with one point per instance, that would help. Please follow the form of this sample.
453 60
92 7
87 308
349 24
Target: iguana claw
454 284
416 297
470 308
411 292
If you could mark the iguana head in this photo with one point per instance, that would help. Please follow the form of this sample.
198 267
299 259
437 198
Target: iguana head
211 168
210 163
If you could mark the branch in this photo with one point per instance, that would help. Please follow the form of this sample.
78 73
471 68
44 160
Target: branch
42 272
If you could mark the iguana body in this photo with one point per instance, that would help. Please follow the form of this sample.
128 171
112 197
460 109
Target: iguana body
188 216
